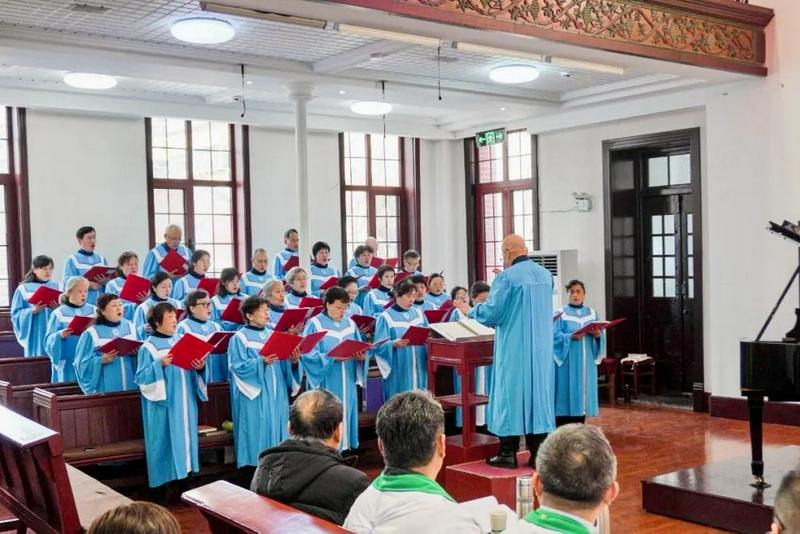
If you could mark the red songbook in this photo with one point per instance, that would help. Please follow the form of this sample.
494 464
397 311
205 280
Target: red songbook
310 302
79 323
291 317
447 305
393 262
347 349
187 349
436 316
293 261
281 345
232 313
44 296
209 285
379 344
598 326
329 283
374 282
220 341
364 321
399 277
122 345
376 262
311 340
180 313
416 335
313 312
134 288
389 304
100 274
174 263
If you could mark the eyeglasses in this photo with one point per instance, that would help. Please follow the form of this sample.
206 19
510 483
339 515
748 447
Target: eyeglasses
204 304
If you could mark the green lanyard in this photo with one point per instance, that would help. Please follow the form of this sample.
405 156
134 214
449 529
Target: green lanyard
409 482
552 520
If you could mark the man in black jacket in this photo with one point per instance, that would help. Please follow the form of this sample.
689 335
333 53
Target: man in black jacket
306 471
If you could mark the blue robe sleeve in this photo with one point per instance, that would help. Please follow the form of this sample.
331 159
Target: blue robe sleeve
493 312
277 267
245 370
293 374
150 377
201 382
385 354
151 266
361 367
140 323
69 271
316 364
22 317
88 364
562 340
179 289
53 342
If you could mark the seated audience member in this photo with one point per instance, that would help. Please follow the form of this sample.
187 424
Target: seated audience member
786 514
136 518
172 241
306 471
291 241
575 480
406 496
254 280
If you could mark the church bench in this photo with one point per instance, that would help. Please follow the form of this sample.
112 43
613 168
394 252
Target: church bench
229 509
39 488
20 397
18 371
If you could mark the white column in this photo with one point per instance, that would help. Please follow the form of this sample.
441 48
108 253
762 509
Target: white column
301 93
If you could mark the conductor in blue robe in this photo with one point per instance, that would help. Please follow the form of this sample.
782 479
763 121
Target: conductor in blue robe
337 376
520 308
198 323
127 264
29 321
169 401
321 269
260 386
172 241
84 259
377 299
200 262
362 271
254 280
577 357
60 342
291 242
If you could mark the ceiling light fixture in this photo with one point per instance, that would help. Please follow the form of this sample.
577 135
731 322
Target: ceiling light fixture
89 80
343 92
202 30
514 74
371 108
502 109
564 62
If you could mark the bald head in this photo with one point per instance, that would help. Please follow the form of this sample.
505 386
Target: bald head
513 247
315 414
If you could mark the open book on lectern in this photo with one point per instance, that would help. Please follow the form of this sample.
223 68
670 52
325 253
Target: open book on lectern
461 329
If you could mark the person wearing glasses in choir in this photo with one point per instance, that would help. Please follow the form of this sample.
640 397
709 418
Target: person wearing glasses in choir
379 297
228 289
297 282
198 267
254 280
198 323
127 264
172 241
28 320
350 285
60 343
320 267
160 289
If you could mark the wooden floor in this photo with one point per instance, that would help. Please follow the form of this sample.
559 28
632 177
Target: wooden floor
647 441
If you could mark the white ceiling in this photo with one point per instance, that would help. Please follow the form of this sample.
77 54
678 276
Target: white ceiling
40 40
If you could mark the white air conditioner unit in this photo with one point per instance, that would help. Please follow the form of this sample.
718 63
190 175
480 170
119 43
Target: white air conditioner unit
563 264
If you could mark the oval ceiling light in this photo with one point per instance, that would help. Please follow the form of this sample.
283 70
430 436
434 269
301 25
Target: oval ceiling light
89 80
514 74
371 108
202 30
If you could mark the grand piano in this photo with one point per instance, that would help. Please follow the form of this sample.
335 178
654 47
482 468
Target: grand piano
770 368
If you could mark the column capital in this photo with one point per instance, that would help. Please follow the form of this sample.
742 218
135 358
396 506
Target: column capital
300 90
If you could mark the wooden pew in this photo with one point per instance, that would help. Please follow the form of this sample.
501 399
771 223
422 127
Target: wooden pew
38 487
229 509
20 397
18 371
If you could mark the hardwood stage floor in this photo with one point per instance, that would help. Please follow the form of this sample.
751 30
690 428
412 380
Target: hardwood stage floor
648 442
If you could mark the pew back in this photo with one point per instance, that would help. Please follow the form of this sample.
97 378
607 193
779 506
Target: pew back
18 371
20 397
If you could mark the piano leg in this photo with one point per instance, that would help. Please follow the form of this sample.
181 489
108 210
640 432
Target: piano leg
755 405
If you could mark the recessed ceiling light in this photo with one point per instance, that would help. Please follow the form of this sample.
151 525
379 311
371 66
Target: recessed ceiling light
371 108
502 109
89 80
202 30
249 82
514 74
342 92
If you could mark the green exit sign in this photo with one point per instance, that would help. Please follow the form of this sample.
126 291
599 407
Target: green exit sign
491 137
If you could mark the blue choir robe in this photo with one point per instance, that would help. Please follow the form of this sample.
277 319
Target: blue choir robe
352 263
338 377
62 350
362 275
424 305
280 260
140 314
293 298
217 364
259 395
218 305
185 285
77 265
436 301
30 328
405 368
169 412
319 274
152 262
114 286
375 301
253 281
353 309
93 375
576 362
520 308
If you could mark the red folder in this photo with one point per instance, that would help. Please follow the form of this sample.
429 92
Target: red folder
179 314
209 285
329 283
281 345
598 326
44 296
416 335
376 262
313 312
436 316
311 340
174 263
220 341
122 345
447 305
393 262
187 349
399 277
310 302
291 317
347 349
389 304
364 320
133 287
99 272
79 323
293 261
374 282
232 313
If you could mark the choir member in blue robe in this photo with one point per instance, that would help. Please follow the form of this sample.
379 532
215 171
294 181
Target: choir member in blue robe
459 293
372 243
337 376
105 372
411 261
377 299
437 295
362 272
29 321
404 367
321 270
200 262
577 357
291 242
84 259
350 285
227 290
169 401
254 280
297 284
275 295
60 343
198 323
420 299
160 289
172 241
260 386
520 308
127 264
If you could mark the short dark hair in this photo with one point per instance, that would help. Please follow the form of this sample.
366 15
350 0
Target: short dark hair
408 425
289 232
228 274
455 290
383 269
198 254
346 280
335 294
156 314
410 254
360 249
102 301
250 305
136 518
404 287
320 245
39 262
417 278
124 258
156 279
479 287
194 297
315 414
787 501
433 276
83 230
576 283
